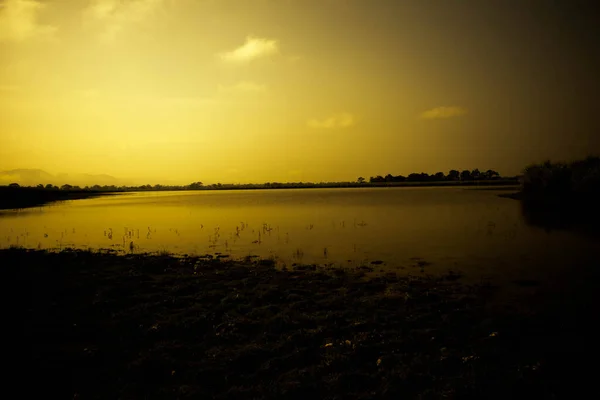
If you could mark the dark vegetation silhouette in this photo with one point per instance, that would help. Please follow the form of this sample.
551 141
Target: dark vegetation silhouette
14 196
561 195
17 196
577 180
421 178
452 176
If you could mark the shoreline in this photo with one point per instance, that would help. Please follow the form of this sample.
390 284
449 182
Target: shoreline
106 326
21 198
26 197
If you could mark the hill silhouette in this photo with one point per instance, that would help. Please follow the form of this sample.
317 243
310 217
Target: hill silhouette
34 177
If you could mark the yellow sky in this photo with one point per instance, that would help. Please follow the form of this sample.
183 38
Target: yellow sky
289 90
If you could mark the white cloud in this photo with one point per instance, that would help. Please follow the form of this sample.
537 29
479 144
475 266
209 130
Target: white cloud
115 15
19 21
342 120
443 112
252 49
244 87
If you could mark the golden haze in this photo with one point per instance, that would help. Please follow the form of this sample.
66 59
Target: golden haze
168 91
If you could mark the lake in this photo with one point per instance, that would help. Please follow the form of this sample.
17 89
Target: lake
415 230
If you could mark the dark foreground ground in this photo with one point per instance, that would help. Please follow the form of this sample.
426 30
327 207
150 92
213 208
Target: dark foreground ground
103 326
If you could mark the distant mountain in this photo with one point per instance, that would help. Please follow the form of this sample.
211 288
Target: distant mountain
34 177
26 177
90 179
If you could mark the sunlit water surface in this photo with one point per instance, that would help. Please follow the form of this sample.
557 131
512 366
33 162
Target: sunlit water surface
414 230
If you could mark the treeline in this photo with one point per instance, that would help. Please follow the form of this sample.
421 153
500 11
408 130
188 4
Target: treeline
560 179
192 186
268 185
452 176
561 195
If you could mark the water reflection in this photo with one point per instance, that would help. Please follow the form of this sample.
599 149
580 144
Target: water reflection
415 230
579 217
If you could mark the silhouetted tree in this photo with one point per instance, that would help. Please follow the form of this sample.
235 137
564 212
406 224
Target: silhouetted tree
14 185
195 186
40 186
475 174
453 175
378 178
66 187
439 176
465 175
360 179
585 175
389 178
491 174
414 177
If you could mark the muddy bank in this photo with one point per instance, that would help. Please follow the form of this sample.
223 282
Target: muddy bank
105 326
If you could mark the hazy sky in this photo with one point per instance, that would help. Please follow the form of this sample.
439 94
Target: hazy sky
295 90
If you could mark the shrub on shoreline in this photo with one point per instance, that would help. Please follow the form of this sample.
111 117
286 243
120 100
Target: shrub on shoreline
577 179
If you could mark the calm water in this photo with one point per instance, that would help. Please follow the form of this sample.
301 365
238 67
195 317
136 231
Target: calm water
473 231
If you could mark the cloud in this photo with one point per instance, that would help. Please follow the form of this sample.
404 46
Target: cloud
443 112
244 87
342 120
18 21
253 48
115 15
